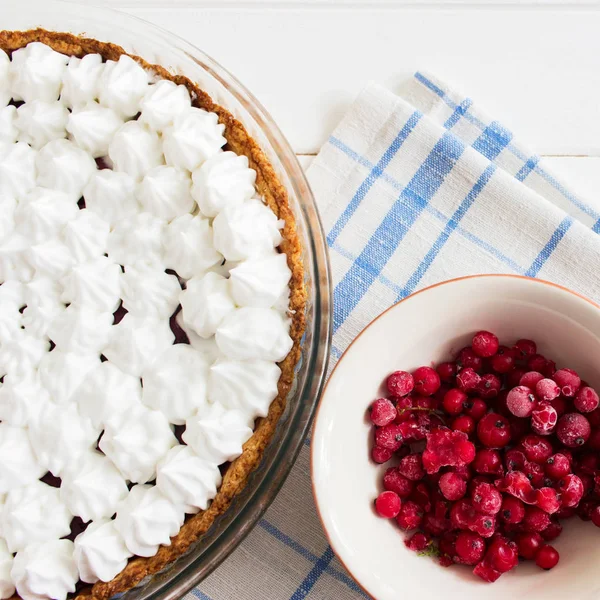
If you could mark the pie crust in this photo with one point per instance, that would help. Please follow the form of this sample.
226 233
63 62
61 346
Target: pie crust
275 195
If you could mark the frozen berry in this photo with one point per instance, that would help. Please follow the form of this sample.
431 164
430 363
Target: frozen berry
552 531
489 385
447 371
411 467
400 383
502 555
390 437
594 416
420 495
535 519
520 401
557 466
594 440
549 368
546 557
464 423
544 418
454 401
512 510
546 390
528 544
518 485
468 359
586 400
485 344
493 431
452 486
595 516
535 473
589 463
418 542
476 408
381 455
559 405
382 412
546 498
488 462
536 362
388 505
537 449
410 515
514 460
513 378
530 379
393 481
486 572
573 430
524 349
571 490
447 449
486 499
568 381
469 547
503 361
467 380
427 381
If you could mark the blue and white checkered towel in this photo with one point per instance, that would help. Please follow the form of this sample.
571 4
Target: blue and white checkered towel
412 190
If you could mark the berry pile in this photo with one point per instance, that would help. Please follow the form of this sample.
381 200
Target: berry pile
492 450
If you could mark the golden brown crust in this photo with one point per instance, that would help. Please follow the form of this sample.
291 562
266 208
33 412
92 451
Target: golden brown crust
268 185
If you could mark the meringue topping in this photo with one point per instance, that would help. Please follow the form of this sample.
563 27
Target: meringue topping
37 73
195 136
137 341
135 440
7 586
106 391
163 103
150 292
254 333
45 570
206 301
188 245
186 480
260 281
162 389
100 552
223 180
147 519
60 435
92 127
18 464
165 192
33 513
217 434
81 80
135 150
62 165
92 487
246 231
122 85
40 122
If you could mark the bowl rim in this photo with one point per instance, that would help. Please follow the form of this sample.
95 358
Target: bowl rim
328 536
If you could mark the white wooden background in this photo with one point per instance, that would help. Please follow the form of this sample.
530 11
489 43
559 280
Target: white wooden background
534 65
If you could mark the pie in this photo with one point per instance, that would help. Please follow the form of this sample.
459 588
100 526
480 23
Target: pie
151 309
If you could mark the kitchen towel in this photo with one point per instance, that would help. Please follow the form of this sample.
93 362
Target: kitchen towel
413 189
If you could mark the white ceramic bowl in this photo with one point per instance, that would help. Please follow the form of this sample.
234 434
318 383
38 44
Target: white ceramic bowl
430 326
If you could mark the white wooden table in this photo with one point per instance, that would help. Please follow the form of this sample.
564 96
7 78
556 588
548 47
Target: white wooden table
534 65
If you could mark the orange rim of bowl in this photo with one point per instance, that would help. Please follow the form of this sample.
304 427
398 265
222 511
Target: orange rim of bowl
324 392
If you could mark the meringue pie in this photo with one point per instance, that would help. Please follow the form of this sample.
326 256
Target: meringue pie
151 309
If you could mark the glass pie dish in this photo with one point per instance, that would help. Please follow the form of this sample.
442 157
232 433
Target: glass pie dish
177 56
